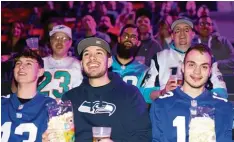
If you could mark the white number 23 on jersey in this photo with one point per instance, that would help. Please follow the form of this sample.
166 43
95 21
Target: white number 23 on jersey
19 130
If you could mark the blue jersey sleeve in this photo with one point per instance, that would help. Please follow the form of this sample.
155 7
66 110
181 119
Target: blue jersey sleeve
157 126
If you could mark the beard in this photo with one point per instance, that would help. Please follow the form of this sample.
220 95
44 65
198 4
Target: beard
95 75
126 53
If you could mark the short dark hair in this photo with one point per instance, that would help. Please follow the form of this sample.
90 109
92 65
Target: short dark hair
130 26
203 16
29 53
202 48
143 12
112 19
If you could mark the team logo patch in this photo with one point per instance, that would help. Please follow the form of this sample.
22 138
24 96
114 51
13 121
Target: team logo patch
61 27
105 107
98 42
220 77
20 107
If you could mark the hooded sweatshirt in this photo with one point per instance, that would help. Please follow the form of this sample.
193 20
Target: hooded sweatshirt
116 105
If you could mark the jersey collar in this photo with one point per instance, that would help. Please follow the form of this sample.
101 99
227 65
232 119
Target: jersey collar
176 49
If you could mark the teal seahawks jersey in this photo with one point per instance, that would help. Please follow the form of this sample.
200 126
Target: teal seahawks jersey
132 73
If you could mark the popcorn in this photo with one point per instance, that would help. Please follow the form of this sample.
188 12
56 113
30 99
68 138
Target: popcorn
202 129
202 124
61 122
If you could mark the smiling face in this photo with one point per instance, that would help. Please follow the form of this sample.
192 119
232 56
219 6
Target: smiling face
27 70
95 62
143 23
197 68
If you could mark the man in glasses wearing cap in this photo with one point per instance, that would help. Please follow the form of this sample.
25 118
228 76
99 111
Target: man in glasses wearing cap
169 61
104 98
62 72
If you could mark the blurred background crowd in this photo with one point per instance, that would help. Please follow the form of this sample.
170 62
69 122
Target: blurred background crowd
24 20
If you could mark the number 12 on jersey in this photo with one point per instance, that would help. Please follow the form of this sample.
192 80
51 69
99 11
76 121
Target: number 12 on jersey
19 130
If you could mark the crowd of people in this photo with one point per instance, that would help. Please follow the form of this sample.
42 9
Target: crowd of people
116 66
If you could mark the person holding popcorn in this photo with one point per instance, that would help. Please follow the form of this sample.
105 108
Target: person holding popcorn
191 113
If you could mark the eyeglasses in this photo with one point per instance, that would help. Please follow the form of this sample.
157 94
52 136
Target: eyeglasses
128 36
205 24
60 38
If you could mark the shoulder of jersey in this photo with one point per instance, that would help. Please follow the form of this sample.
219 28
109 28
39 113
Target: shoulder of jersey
137 64
75 62
5 98
45 58
167 95
168 99
164 52
216 97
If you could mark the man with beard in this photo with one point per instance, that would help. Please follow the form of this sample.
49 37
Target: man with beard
169 61
149 46
220 46
62 72
183 114
104 99
124 63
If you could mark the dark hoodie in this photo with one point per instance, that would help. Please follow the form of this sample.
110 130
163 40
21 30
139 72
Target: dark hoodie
116 105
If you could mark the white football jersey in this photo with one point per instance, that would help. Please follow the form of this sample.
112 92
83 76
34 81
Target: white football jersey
60 76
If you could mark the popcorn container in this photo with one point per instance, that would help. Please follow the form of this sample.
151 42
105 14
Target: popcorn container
61 122
202 123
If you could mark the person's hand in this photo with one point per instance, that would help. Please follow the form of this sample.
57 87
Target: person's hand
50 135
171 85
105 140
45 136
